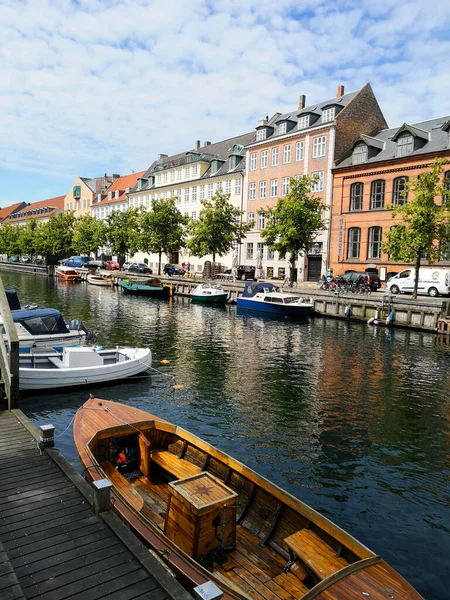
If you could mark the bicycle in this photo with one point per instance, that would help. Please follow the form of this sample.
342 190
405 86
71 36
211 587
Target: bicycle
287 283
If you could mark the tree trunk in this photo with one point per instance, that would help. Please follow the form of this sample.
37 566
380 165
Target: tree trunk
292 264
214 258
416 275
159 263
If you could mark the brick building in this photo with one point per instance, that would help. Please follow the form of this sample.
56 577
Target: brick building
307 141
371 178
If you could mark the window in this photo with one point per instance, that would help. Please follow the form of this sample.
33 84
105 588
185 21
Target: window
158 181
319 146
328 115
399 192
171 193
261 134
354 242
300 151
186 194
317 185
286 153
356 196
165 177
237 186
77 192
261 222
262 190
285 186
282 127
193 215
210 190
405 145
228 186
202 192
251 217
178 195
275 157
273 188
172 175
178 173
253 156
194 171
303 122
249 251
374 250
252 191
360 154
447 186
270 254
263 159
218 185
444 250
377 194
187 172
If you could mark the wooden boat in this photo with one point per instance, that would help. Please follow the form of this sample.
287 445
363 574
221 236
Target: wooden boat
212 518
67 273
149 287
75 366
265 297
209 293
98 279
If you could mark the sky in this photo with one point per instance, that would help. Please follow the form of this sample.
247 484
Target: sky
89 87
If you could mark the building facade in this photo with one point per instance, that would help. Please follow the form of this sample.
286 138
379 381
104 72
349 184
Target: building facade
306 141
40 211
370 180
191 177
84 192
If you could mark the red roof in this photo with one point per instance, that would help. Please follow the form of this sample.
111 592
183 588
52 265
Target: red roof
5 212
121 184
53 206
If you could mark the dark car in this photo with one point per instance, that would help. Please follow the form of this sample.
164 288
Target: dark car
359 278
94 264
170 269
246 272
139 268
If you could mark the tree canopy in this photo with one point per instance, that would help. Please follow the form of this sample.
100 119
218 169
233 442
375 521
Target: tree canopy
424 225
123 230
294 223
218 226
89 235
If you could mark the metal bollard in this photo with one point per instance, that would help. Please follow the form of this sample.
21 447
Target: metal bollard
47 436
102 495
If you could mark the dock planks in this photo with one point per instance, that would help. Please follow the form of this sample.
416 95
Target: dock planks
52 544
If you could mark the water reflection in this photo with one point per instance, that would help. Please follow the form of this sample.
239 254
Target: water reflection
352 419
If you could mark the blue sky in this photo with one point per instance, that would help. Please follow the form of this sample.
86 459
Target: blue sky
95 86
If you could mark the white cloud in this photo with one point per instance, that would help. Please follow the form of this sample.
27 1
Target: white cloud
94 86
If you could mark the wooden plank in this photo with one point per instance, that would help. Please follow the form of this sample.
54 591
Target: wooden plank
122 486
179 467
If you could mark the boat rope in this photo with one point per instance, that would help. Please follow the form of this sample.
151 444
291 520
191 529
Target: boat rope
108 410
41 439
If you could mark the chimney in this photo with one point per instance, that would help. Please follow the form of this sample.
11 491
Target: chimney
301 102
207 143
197 145
340 91
160 156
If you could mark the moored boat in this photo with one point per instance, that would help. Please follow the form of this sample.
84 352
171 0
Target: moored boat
98 279
146 287
212 518
67 273
80 366
265 297
209 293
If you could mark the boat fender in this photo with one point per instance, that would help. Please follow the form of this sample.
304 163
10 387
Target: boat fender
370 321
178 387
164 362
347 312
390 318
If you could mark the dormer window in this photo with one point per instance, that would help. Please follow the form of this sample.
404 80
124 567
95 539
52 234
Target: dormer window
282 128
261 134
360 154
303 122
99 197
328 114
116 195
127 189
405 145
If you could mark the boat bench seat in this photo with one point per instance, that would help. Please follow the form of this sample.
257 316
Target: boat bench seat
315 553
56 361
179 467
122 485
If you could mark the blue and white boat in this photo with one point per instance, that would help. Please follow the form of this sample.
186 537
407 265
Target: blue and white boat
265 297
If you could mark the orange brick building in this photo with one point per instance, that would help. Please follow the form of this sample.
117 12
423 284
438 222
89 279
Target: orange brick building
307 141
372 177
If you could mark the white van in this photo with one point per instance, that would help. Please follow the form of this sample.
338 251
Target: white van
433 282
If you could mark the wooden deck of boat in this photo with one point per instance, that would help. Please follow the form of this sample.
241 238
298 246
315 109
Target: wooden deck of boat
51 543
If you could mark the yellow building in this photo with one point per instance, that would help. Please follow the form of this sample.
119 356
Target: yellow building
85 191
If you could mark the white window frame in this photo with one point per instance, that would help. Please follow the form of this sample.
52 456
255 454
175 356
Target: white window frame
318 186
284 186
262 190
261 134
194 194
210 190
374 241
250 217
237 186
319 146
261 221
282 128
273 188
252 191
202 192
303 122
328 114
249 254
253 161
264 159
275 156
300 151
228 186
286 154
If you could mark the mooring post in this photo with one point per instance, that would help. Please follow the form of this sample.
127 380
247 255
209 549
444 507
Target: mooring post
102 495
46 437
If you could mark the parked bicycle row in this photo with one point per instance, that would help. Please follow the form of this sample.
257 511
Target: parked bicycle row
354 282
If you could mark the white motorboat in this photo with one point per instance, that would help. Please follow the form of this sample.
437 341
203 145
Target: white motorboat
99 279
75 366
265 297
209 293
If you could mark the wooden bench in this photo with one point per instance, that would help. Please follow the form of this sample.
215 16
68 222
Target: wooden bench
122 486
179 467
315 553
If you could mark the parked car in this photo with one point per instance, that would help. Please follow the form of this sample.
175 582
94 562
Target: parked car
126 266
363 278
25 258
94 264
432 281
112 265
13 259
246 272
75 261
139 268
170 269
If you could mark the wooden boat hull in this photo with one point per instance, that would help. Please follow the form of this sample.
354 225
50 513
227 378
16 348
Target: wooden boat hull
283 548
52 370
67 274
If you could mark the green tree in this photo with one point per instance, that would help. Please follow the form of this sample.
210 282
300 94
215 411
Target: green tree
219 225
423 224
28 236
89 235
55 236
10 244
294 223
123 231
163 228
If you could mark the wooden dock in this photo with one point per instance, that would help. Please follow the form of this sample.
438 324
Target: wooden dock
52 544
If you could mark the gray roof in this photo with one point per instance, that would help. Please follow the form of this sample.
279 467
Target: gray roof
432 133
208 153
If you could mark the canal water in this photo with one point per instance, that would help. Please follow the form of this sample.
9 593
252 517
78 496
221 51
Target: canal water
351 419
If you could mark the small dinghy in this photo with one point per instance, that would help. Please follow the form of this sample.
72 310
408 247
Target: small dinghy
67 273
147 287
99 279
45 369
209 293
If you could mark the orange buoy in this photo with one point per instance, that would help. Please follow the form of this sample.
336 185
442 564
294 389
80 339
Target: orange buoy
164 362
178 387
